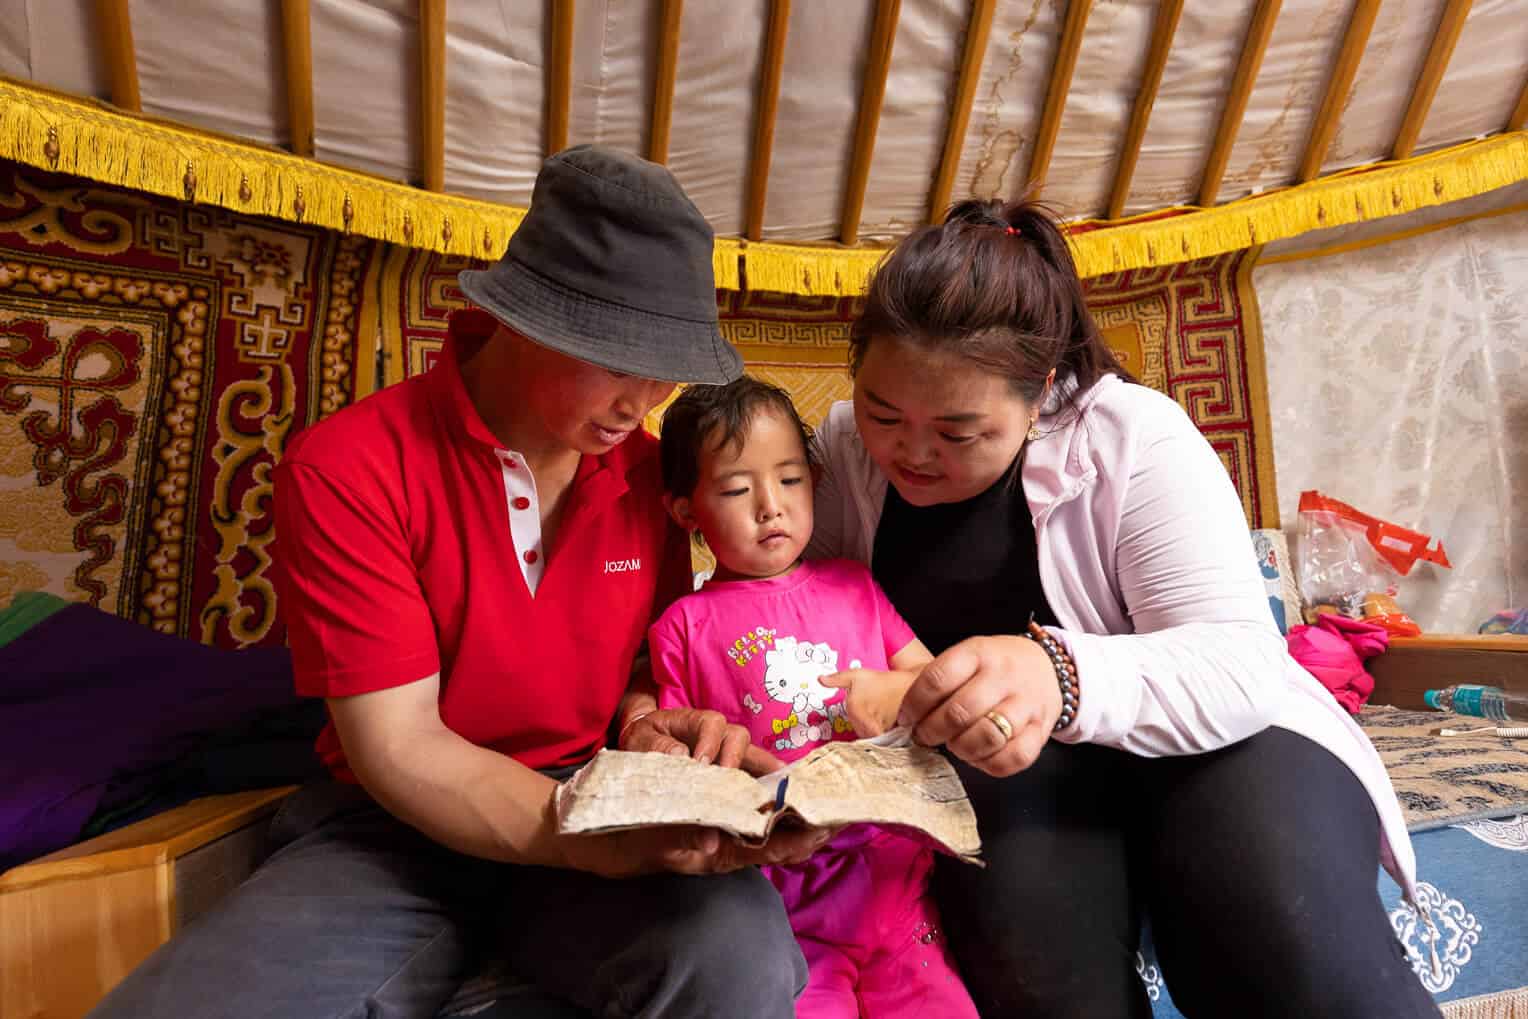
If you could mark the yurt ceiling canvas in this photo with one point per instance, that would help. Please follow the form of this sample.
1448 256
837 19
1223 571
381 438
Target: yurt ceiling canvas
820 121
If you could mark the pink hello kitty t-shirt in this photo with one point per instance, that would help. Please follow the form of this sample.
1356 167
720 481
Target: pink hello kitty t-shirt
755 650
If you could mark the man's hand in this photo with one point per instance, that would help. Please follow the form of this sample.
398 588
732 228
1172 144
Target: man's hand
705 736
685 850
874 697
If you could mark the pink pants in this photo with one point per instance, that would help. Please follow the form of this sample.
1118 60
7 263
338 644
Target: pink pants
870 932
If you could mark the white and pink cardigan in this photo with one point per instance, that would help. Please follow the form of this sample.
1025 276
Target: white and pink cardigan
1147 561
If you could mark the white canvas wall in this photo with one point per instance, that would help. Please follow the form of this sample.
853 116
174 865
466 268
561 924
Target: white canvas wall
1398 378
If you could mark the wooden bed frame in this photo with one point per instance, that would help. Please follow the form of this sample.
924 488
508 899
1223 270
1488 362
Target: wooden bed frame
1414 664
75 922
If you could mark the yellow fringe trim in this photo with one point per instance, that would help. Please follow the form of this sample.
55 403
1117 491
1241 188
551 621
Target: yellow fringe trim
87 139
726 263
814 270
1353 196
1390 238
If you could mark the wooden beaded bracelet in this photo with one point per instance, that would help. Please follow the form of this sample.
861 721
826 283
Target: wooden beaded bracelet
1066 671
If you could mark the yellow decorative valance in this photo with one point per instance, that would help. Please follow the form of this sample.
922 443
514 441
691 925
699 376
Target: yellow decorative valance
1175 235
92 140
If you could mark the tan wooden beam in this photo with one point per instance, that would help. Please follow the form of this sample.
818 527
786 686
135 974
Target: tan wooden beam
1338 89
978 32
872 93
559 90
1413 665
1519 118
1256 44
1055 94
114 25
1168 13
663 85
1433 68
432 91
770 71
297 46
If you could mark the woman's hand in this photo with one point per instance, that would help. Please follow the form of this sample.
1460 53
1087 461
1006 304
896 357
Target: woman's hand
706 736
874 697
948 702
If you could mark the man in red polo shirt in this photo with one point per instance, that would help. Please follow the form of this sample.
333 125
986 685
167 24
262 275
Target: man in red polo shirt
469 562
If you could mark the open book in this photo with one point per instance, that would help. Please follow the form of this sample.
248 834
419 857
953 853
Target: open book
884 781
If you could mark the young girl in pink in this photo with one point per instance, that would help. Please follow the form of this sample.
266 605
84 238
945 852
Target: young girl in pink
762 643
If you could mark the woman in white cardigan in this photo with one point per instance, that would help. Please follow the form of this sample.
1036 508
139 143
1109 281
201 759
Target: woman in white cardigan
1152 750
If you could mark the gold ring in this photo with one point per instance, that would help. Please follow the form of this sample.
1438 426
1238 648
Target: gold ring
1003 725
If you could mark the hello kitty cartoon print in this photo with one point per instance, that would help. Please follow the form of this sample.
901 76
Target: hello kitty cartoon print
796 731
793 670
758 650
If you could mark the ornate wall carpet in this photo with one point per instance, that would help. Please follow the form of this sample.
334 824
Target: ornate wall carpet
155 357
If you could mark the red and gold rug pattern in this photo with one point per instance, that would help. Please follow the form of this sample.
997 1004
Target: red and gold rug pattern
1191 330
154 359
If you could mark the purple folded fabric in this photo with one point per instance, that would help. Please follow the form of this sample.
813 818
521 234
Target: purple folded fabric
89 701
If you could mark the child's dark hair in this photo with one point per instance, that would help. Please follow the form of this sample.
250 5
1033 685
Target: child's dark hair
994 283
726 411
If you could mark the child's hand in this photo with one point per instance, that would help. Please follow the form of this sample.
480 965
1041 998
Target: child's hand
874 697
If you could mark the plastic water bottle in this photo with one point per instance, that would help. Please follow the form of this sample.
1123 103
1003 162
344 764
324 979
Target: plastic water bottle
1480 701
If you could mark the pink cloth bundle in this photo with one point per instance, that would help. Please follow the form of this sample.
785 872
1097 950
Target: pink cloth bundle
1334 651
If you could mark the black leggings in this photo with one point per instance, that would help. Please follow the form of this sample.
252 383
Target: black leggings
1256 864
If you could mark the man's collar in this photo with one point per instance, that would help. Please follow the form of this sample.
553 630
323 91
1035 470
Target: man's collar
468 330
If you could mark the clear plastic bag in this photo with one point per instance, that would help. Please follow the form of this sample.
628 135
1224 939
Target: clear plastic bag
1350 563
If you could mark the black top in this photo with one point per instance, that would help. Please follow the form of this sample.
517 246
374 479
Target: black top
963 569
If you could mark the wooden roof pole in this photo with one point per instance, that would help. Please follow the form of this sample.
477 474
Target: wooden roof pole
432 91
978 32
1162 33
114 25
663 84
1433 68
297 46
1055 94
1256 44
873 92
1338 89
770 72
559 73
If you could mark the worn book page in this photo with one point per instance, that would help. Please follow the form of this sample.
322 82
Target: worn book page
886 780
620 789
868 781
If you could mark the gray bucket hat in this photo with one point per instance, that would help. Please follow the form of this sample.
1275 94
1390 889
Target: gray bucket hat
612 265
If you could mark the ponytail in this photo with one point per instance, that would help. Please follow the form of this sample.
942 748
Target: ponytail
994 283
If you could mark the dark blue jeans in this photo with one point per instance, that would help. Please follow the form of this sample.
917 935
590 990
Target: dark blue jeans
358 915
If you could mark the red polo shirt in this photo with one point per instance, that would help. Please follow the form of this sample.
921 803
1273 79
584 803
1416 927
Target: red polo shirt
398 520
